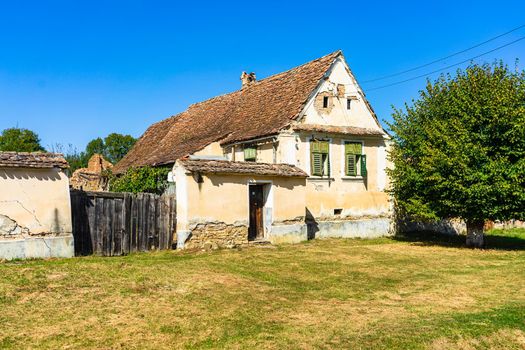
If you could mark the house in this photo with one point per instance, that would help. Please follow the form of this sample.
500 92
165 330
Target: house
297 155
92 178
35 212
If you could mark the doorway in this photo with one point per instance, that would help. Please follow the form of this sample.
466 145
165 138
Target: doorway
256 195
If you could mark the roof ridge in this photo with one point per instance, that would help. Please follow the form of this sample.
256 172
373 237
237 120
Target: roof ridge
273 76
35 153
335 54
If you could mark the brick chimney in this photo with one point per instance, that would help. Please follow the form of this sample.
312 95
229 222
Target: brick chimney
247 79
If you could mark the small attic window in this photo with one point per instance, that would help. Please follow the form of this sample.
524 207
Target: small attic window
348 103
250 153
325 101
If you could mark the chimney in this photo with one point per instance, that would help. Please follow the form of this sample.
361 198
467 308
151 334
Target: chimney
247 79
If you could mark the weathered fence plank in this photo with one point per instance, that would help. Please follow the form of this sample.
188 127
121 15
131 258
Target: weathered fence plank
106 223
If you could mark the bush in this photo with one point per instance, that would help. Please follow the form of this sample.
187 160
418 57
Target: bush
143 179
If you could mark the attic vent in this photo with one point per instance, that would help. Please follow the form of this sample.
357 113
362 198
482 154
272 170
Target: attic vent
247 79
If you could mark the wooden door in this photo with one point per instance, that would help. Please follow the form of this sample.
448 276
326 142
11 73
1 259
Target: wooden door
256 230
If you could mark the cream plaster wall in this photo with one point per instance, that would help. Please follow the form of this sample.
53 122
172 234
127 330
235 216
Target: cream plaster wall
359 114
356 196
213 149
37 199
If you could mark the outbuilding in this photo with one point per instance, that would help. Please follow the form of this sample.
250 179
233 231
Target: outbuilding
225 204
35 210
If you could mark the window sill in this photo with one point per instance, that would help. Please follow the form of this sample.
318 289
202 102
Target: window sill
319 178
352 178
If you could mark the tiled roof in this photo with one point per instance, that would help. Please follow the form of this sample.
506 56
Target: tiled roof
345 130
260 109
32 160
228 167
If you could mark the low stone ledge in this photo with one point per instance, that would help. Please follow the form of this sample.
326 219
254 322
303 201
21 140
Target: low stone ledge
37 247
361 228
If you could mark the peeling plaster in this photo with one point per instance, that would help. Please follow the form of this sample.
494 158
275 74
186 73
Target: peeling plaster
10 228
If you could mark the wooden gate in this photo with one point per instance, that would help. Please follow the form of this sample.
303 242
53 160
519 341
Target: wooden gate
108 223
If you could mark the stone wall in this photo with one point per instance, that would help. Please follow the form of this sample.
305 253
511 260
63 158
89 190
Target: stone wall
92 178
217 235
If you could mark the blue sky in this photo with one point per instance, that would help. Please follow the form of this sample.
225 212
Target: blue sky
76 70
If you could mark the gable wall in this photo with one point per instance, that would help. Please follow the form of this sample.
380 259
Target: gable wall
337 114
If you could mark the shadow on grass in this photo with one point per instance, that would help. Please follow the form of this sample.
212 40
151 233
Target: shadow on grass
497 239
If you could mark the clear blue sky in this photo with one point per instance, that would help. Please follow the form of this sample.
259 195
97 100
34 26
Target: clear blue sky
76 70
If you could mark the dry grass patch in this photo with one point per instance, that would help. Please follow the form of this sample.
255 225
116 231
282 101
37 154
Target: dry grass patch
321 294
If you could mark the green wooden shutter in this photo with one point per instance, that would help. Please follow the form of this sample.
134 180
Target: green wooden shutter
324 147
351 168
250 153
315 146
327 164
317 164
363 166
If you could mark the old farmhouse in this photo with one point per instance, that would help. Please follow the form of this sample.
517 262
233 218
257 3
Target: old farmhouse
297 155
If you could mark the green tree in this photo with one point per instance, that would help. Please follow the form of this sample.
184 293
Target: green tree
459 149
20 140
117 146
113 147
95 146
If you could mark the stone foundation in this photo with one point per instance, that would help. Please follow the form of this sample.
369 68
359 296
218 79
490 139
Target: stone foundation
216 235
37 247
350 228
288 232
17 242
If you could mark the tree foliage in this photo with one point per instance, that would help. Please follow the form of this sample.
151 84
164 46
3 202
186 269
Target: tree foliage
143 179
95 146
113 147
459 149
20 140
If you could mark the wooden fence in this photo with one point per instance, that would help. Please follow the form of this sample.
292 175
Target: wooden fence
108 223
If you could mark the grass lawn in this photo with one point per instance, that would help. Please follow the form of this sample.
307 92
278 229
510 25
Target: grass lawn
386 293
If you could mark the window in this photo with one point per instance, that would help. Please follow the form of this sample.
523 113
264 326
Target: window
348 103
325 101
355 160
320 160
250 153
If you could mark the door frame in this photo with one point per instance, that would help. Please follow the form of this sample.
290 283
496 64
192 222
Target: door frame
268 203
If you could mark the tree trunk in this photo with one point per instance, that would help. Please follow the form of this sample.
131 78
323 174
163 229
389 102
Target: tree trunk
475 234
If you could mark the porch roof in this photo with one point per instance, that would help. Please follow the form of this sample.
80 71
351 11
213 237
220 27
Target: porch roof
238 168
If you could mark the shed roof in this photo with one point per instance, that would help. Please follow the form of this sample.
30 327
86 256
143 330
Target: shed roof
263 108
239 168
32 160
